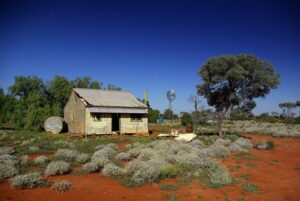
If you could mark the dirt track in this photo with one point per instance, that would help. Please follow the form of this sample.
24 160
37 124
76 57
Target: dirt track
276 173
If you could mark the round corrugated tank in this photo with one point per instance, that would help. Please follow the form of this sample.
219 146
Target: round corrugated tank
55 125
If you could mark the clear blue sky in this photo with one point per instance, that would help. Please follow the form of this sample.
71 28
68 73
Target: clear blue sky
153 45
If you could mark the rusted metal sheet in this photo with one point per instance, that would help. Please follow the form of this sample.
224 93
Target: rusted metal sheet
109 98
117 110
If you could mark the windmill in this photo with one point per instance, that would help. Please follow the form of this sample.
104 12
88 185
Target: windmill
171 95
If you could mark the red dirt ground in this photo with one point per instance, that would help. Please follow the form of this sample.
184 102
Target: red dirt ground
276 173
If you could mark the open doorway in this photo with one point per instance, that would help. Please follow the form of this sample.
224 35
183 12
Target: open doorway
115 122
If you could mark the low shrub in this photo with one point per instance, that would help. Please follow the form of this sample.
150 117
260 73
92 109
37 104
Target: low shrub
40 160
218 175
57 168
145 171
111 170
61 186
100 146
89 167
33 149
205 153
250 188
190 161
83 158
243 143
106 152
100 161
168 187
6 150
24 160
224 142
7 170
67 154
29 180
8 159
128 146
112 145
123 156
219 150
235 147
265 145
168 172
197 144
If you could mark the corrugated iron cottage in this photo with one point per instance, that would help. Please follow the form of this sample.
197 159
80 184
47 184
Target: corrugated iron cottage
96 111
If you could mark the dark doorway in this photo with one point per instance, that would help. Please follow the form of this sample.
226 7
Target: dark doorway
115 122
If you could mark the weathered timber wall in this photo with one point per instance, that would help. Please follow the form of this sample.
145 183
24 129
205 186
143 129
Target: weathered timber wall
74 114
97 127
129 126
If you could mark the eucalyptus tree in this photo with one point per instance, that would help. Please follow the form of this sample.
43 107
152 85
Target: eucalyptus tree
234 81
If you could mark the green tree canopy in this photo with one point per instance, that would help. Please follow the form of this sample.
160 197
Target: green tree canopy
186 118
168 114
30 100
233 81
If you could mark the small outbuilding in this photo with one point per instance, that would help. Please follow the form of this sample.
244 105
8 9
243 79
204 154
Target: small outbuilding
97 111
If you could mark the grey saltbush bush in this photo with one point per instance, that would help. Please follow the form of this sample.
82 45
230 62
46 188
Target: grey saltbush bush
6 150
61 186
145 171
112 145
111 170
106 152
123 156
206 153
197 144
100 161
57 168
219 150
218 175
8 159
236 147
224 142
100 146
24 160
89 167
135 151
33 149
83 158
128 146
67 154
29 180
7 170
40 160
243 143
265 145
191 161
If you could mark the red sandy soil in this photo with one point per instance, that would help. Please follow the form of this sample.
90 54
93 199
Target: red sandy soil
276 173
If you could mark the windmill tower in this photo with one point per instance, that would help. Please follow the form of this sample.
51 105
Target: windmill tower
171 95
